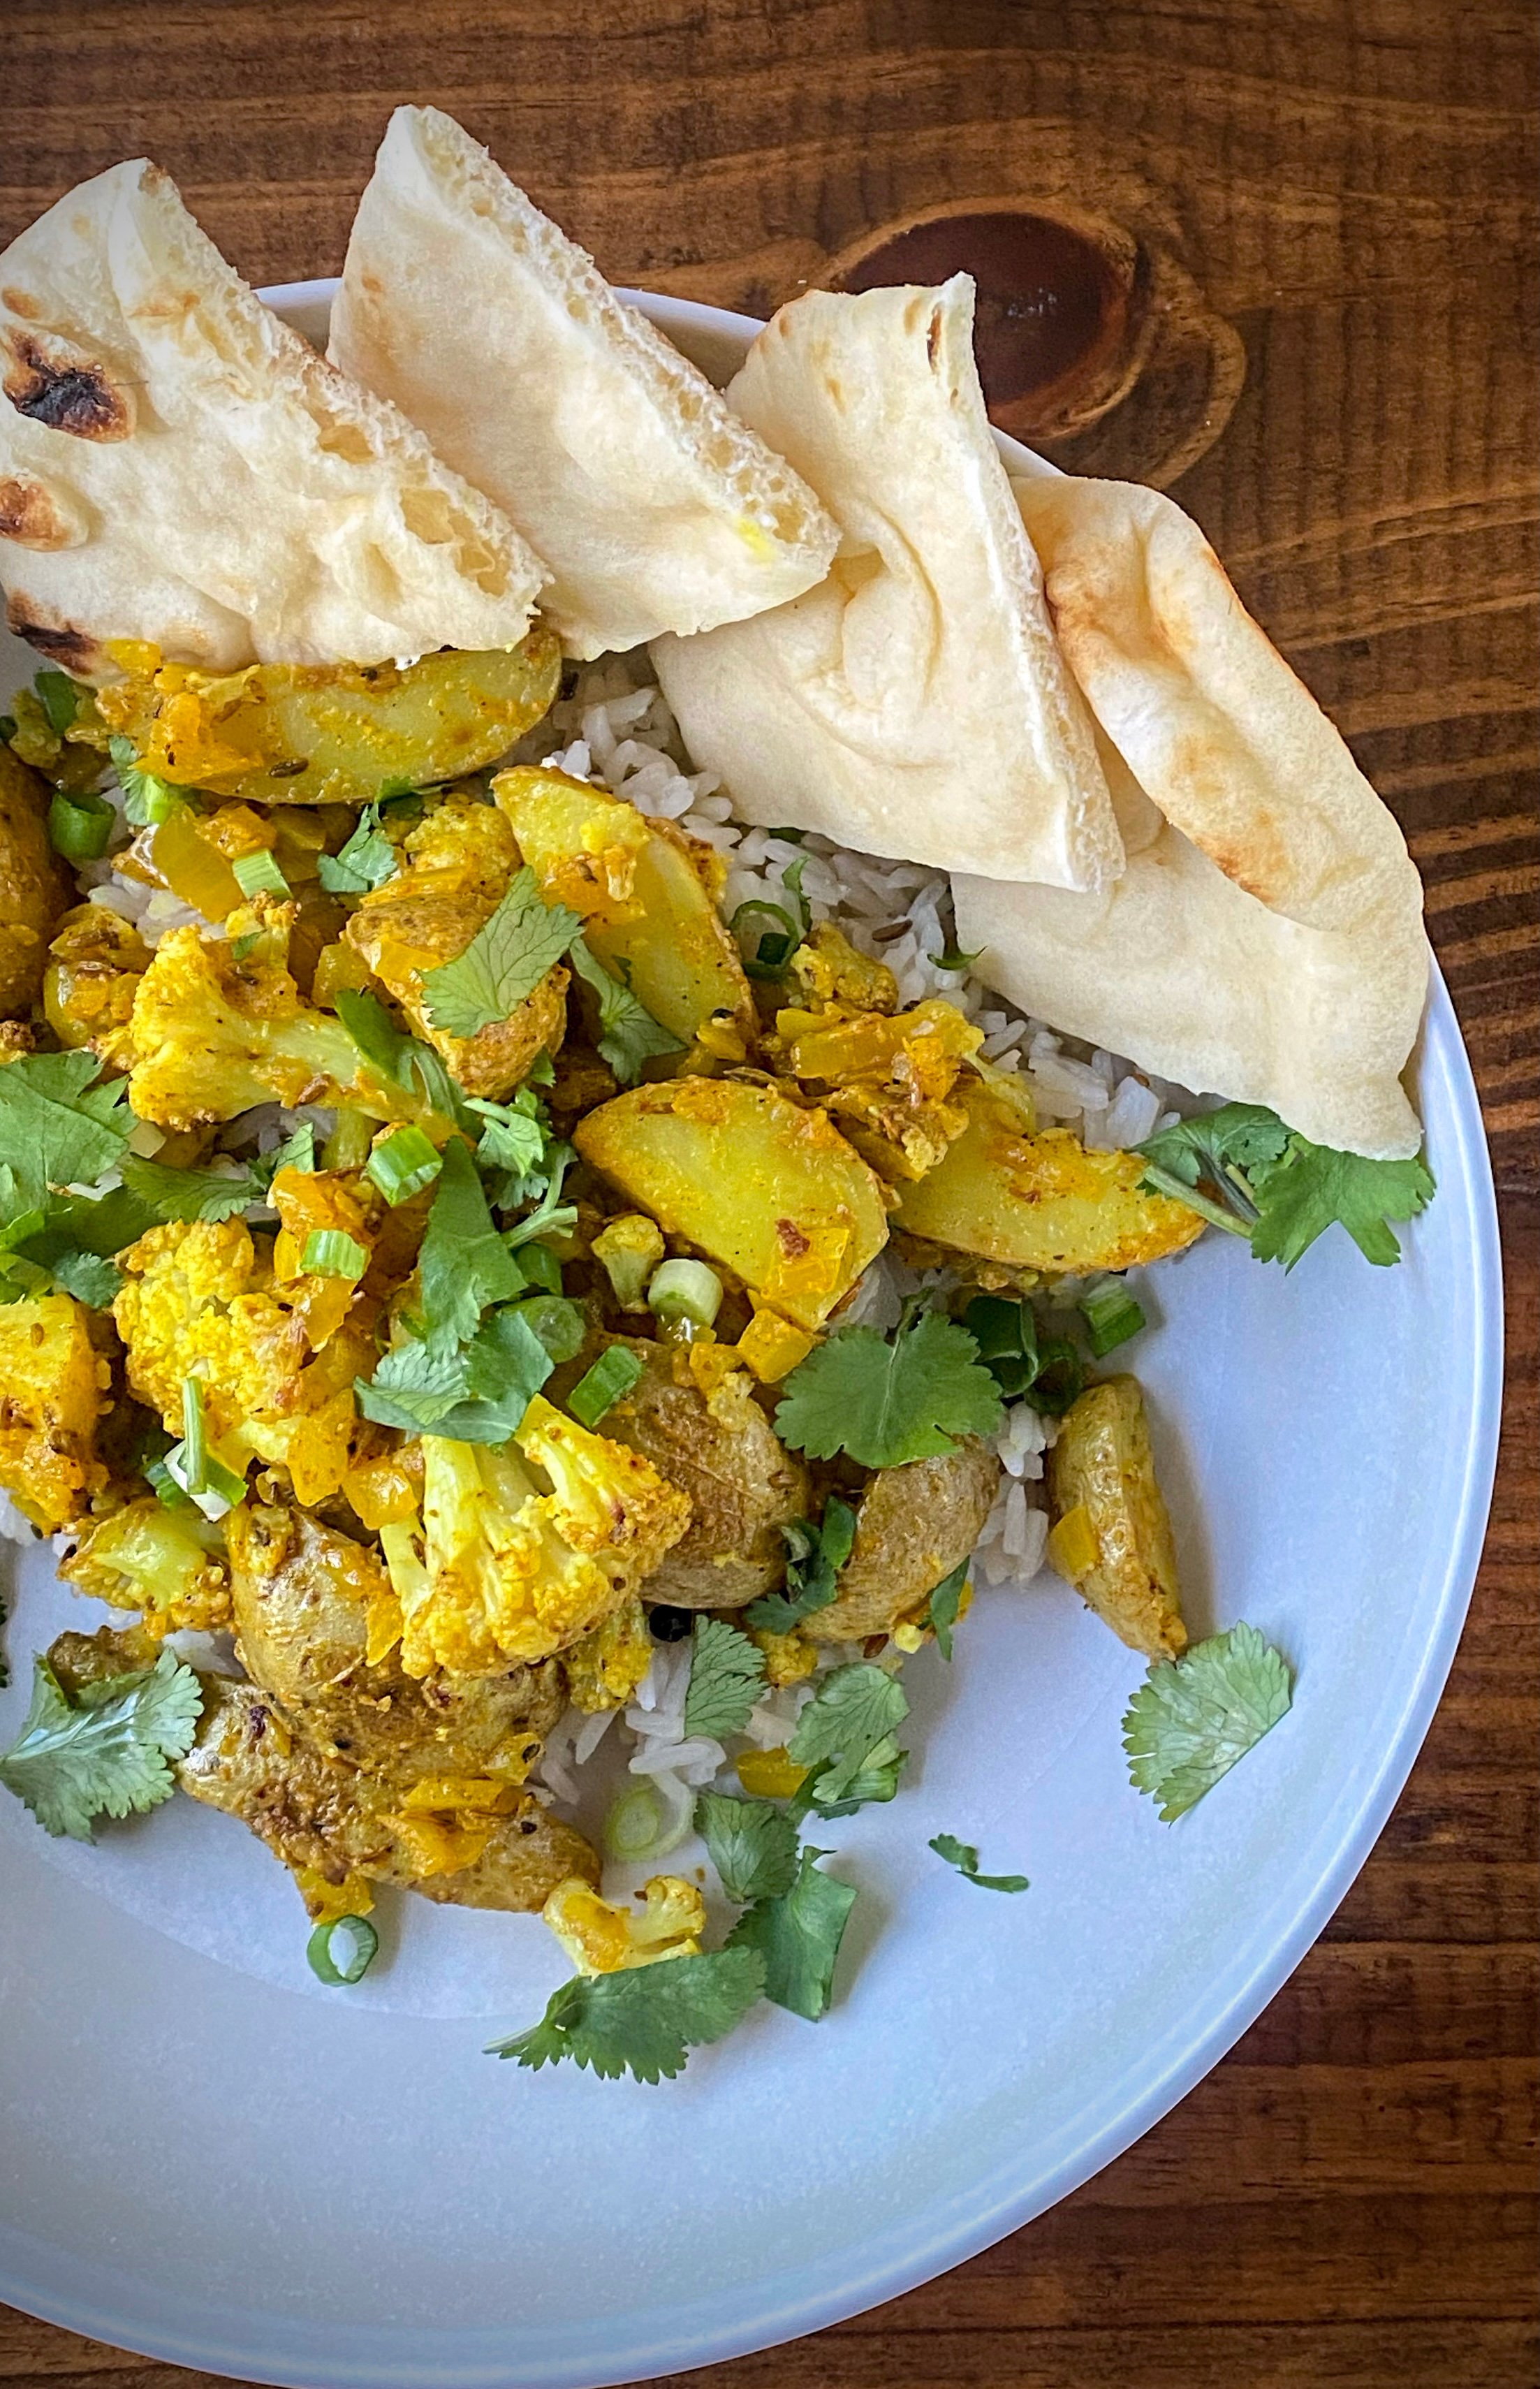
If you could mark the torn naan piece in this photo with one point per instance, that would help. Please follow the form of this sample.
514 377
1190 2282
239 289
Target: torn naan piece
654 508
915 704
1266 941
177 466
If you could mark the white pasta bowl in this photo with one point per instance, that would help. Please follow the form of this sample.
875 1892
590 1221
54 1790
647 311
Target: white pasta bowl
206 2157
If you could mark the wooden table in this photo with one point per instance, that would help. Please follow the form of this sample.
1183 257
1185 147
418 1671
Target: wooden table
1347 186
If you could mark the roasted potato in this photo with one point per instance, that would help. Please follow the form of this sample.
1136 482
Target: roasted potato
325 734
744 1485
303 1598
1101 1480
771 1191
52 1395
34 888
95 964
1040 1201
914 1527
649 910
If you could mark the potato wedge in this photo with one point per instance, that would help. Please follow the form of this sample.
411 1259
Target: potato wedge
325 733
1101 1465
649 915
35 890
1040 1201
914 1527
771 1191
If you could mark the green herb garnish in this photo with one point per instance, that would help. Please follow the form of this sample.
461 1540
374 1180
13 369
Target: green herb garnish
797 1934
752 1844
963 1856
504 962
815 1555
726 1675
1241 1169
886 1403
1195 1716
108 1752
365 863
644 2020
627 1033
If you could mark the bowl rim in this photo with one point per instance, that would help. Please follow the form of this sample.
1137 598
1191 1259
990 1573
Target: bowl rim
1000 2203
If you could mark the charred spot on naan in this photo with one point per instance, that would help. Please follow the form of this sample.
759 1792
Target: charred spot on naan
31 514
76 651
62 389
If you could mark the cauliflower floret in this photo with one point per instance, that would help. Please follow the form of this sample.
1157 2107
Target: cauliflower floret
218 1026
169 1564
606 1667
53 1386
512 1565
459 861
601 1938
277 1369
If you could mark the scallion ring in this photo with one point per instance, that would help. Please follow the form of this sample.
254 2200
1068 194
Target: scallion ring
360 1945
685 1290
79 827
331 1252
773 948
596 1393
1111 1315
649 1820
259 874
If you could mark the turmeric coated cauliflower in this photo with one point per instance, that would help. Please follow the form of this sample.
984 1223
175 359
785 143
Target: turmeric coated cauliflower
459 861
604 1668
219 1026
95 964
602 1938
169 1564
199 1299
53 1386
522 1549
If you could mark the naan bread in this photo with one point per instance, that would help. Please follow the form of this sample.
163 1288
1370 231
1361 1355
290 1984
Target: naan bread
1266 941
177 466
915 704
653 506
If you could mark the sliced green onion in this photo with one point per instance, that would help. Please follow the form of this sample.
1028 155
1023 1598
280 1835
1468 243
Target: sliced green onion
1112 1316
331 1252
558 1323
349 1145
648 1821
403 1163
614 1374
328 1964
790 880
60 697
194 1436
953 958
540 1267
259 874
775 946
212 1487
163 1485
78 827
686 1290
152 801
1060 1377
1001 1329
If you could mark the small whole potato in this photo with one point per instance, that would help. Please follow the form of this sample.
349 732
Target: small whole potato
914 1526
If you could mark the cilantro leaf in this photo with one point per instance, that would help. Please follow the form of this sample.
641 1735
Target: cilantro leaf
194 1194
1195 1716
643 2020
815 1555
1238 1136
834 1791
464 1264
512 1138
1313 1186
401 1060
854 1713
888 1403
963 1856
726 1673
504 962
752 1845
476 1395
798 1935
89 1277
108 1753
365 863
147 797
946 1606
58 1128
627 1033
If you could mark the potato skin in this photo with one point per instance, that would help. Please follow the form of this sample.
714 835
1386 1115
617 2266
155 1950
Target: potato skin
771 1190
915 1524
744 1485
1040 1201
35 890
299 1592
1102 1460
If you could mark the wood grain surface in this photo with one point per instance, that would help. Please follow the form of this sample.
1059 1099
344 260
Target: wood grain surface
1350 184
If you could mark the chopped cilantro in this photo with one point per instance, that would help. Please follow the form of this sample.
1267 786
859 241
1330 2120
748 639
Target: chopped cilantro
627 1033
946 1602
194 1194
89 1277
504 962
60 1128
727 1672
1243 1170
400 1059
147 798
815 1555
513 1136
366 862
953 958
798 1934
845 1732
887 1403
475 1395
60 697
963 1856
644 2020
464 1264
752 1844
108 1752
1195 1716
